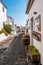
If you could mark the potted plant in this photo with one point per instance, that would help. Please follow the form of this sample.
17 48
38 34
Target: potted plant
26 39
34 53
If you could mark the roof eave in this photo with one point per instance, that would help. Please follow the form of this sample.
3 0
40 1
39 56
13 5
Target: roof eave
30 3
3 4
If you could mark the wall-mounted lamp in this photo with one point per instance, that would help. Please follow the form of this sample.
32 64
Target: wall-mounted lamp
34 12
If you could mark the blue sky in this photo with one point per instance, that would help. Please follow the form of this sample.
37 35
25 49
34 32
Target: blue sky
17 9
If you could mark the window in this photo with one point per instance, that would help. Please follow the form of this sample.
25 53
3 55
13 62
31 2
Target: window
37 23
3 9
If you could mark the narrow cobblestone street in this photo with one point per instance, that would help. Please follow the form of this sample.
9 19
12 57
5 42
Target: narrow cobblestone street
21 32
15 54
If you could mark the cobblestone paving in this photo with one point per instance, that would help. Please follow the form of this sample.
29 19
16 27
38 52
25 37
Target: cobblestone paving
15 54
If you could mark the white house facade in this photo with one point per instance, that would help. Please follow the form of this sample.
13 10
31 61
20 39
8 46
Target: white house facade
27 27
16 29
3 14
10 21
35 15
22 28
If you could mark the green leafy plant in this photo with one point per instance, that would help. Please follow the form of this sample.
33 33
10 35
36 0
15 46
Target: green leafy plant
3 31
0 32
33 50
7 28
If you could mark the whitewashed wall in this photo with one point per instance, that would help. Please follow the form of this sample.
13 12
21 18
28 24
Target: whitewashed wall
38 7
10 20
3 15
27 26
